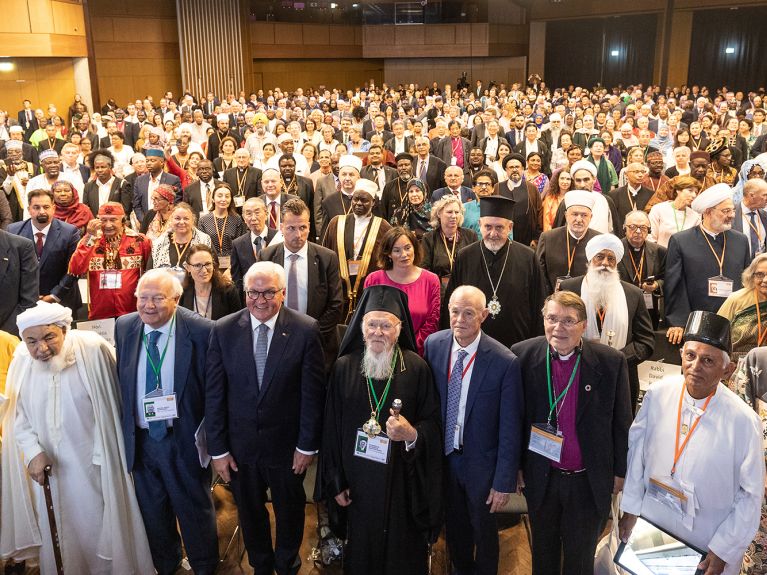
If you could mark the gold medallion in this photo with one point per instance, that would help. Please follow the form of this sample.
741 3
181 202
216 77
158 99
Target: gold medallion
371 427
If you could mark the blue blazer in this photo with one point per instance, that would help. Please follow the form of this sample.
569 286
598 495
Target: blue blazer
192 333
467 194
492 426
264 425
53 265
141 192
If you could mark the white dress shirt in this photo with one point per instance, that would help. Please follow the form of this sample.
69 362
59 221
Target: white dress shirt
104 190
470 349
167 337
757 224
45 231
302 274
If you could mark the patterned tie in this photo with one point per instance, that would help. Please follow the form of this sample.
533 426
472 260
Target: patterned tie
39 244
422 171
260 352
753 235
293 283
257 244
157 429
338 185
453 401
273 216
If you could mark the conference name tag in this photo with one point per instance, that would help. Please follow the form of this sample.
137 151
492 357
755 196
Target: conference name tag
648 300
224 262
453 161
544 440
668 493
372 448
159 407
238 201
719 286
354 267
111 280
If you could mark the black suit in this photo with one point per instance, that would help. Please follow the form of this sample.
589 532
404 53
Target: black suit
574 519
385 134
552 255
215 138
29 124
243 256
54 263
251 184
45 144
18 279
391 142
653 264
262 424
444 150
543 150
120 191
624 204
434 178
324 301
131 131
193 196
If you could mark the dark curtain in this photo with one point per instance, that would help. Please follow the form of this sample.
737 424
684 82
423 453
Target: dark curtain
713 31
612 51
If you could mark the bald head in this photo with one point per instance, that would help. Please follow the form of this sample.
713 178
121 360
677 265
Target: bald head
467 312
755 194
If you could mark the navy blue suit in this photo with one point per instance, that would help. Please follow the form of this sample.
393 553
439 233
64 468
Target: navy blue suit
141 192
18 279
58 248
261 427
467 194
490 453
170 483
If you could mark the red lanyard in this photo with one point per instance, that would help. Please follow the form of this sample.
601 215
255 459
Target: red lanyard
465 369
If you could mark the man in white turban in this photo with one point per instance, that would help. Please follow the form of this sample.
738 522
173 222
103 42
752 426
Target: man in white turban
604 214
704 264
616 314
63 420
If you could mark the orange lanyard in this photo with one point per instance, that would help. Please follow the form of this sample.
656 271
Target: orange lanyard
221 233
601 313
761 335
637 271
719 260
570 256
241 181
677 449
755 228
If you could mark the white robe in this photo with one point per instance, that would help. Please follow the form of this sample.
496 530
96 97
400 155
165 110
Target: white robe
723 462
73 417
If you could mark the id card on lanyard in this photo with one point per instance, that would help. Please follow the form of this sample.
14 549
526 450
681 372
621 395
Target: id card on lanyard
157 405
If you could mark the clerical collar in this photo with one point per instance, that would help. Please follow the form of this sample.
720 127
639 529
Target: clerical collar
556 355
634 191
709 232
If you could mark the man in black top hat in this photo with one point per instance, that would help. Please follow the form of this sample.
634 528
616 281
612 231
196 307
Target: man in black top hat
695 465
505 271
379 466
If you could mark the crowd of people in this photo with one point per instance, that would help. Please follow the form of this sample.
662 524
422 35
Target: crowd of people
436 300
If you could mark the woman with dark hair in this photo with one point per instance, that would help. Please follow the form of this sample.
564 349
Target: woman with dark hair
223 224
560 183
534 173
207 292
225 161
415 212
399 259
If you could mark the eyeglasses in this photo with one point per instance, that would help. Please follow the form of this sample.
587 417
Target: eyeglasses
199 267
384 326
268 295
634 228
565 321
483 184
156 300
759 276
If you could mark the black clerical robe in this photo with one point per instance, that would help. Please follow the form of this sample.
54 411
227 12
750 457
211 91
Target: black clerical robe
395 507
552 256
690 264
626 202
519 289
392 197
528 210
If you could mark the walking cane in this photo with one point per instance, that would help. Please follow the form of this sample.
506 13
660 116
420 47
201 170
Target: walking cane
52 521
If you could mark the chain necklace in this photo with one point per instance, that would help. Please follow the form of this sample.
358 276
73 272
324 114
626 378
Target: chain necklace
494 306
372 427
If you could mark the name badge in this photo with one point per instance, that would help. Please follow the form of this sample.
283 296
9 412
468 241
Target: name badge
159 407
445 280
112 279
372 448
647 300
560 279
224 262
238 201
453 161
668 493
354 266
545 441
719 286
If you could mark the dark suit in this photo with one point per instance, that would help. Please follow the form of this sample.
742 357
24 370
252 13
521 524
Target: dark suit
141 192
479 133
29 124
324 300
243 256
251 185
640 340
514 138
323 187
368 173
385 135
170 483
18 279
653 265
490 450
131 131
262 426
434 178
52 266
390 143
120 191
543 150
444 150
58 143
570 510
193 196
737 224
467 194
624 205
552 255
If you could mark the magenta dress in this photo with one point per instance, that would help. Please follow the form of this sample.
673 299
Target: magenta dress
423 301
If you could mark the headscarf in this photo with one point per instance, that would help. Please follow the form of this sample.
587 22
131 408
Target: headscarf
76 213
44 313
737 191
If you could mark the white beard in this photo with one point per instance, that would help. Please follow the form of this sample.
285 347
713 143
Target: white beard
377 365
599 279
59 362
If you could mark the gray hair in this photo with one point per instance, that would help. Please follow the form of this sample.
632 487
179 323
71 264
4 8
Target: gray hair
265 269
748 273
440 205
471 292
161 274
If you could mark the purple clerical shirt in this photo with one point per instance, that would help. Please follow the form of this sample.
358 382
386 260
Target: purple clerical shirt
561 369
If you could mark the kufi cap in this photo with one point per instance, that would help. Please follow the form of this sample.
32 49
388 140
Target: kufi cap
711 197
16 128
45 154
222 117
604 242
583 165
403 156
43 313
497 207
157 131
379 298
112 209
284 137
260 117
14 145
350 161
579 198
700 154
710 328
365 185
154 151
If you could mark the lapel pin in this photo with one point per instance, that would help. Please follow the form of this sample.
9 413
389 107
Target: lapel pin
587 388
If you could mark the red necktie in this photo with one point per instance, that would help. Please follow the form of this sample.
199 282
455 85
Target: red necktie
39 244
273 216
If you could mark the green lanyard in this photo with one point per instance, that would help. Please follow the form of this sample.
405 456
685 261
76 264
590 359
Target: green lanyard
156 369
552 400
380 402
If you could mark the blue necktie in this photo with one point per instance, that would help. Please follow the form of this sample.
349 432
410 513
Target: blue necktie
453 401
754 236
157 429
260 352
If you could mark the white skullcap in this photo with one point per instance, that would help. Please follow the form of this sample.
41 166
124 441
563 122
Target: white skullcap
583 165
14 145
284 137
350 161
711 197
604 242
16 128
579 198
43 313
364 185
222 118
555 116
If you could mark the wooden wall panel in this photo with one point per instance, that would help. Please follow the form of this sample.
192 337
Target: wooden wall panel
290 74
446 70
68 18
41 16
15 17
42 80
284 40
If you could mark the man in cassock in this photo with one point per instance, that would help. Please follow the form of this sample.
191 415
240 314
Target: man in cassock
561 252
633 196
704 264
721 464
527 201
506 273
63 420
381 466
615 310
